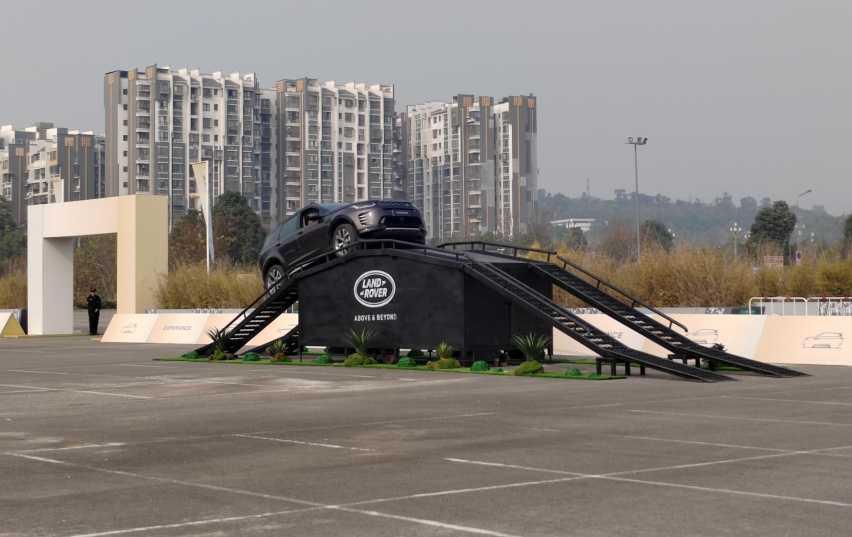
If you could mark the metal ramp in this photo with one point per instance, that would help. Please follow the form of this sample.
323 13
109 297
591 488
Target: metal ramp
586 334
566 275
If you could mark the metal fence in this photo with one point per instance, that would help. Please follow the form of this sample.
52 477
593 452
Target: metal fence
798 305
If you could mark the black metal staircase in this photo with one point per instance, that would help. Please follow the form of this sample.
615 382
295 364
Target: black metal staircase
563 320
599 294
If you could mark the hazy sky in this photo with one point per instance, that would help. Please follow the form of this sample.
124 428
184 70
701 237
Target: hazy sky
752 97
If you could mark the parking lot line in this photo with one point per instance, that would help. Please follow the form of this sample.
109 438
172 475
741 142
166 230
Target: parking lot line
69 448
69 390
778 400
342 507
301 442
194 523
698 443
37 372
741 418
620 476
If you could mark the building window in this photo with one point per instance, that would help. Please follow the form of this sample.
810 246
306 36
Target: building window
124 138
124 122
124 106
125 153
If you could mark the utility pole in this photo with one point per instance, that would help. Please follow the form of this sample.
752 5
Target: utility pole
735 231
636 142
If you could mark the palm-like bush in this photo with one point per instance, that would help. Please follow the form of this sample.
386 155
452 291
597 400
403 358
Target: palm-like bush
278 350
360 340
218 336
444 350
531 345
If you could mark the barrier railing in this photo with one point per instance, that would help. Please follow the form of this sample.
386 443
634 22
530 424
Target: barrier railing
797 305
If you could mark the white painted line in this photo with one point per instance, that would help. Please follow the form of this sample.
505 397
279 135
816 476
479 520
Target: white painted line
68 448
68 390
427 522
797 401
37 372
515 467
730 491
300 442
618 476
450 492
158 479
422 521
145 365
126 395
545 430
707 463
193 523
37 388
697 443
741 418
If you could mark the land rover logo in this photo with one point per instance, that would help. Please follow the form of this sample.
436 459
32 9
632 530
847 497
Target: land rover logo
374 289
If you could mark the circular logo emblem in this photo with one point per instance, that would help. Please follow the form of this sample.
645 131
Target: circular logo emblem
374 289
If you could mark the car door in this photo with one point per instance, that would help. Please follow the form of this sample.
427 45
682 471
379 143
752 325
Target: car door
288 239
313 233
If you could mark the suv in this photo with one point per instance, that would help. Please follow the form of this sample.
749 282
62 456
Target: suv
319 228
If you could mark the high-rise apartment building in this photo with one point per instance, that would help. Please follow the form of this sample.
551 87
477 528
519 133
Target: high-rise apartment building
335 143
471 165
45 164
161 120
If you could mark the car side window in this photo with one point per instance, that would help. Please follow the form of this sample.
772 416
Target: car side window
290 227
307 215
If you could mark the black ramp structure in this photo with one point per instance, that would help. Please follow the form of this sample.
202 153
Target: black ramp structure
574 327
567 276
415 296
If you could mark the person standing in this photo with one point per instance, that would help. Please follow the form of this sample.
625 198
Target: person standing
93 304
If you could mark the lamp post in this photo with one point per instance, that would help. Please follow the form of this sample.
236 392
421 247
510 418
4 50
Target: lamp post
735 230
636 142
803 194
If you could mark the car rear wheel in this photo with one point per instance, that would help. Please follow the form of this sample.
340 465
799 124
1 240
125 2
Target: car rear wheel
342 238
273 275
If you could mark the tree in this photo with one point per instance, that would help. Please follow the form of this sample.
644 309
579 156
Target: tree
574 239
653 233
618 241
237 232
95 266
773 225
847 236
13 241
187 243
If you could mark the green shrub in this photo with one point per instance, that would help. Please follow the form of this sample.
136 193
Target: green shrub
479 365
251 357
322 359
415 353
355 359
594 375
444 363
573 372
407 362
497 370
532 346
218 354
530 367
444 350
191 355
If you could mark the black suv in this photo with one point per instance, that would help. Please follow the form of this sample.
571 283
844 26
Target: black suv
319 228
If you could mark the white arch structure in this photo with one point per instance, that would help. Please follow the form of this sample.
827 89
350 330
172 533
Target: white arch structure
140 223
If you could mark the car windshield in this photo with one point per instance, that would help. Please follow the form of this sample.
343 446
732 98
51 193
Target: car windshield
327 208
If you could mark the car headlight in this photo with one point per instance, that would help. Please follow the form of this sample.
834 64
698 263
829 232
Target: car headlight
367 205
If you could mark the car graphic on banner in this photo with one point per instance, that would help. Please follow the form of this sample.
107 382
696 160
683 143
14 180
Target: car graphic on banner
705 336
824 340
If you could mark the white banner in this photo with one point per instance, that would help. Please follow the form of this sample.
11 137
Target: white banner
129 328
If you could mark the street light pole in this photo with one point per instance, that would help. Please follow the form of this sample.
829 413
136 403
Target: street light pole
735 231
636 142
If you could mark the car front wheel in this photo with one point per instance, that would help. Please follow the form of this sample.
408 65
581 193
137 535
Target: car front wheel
342 238
273 275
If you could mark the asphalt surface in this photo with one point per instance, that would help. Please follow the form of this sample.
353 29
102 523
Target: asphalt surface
98 439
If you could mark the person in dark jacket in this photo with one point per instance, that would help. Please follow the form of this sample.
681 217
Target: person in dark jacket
93 304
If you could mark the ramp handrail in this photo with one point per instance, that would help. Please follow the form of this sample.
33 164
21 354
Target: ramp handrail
566 263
